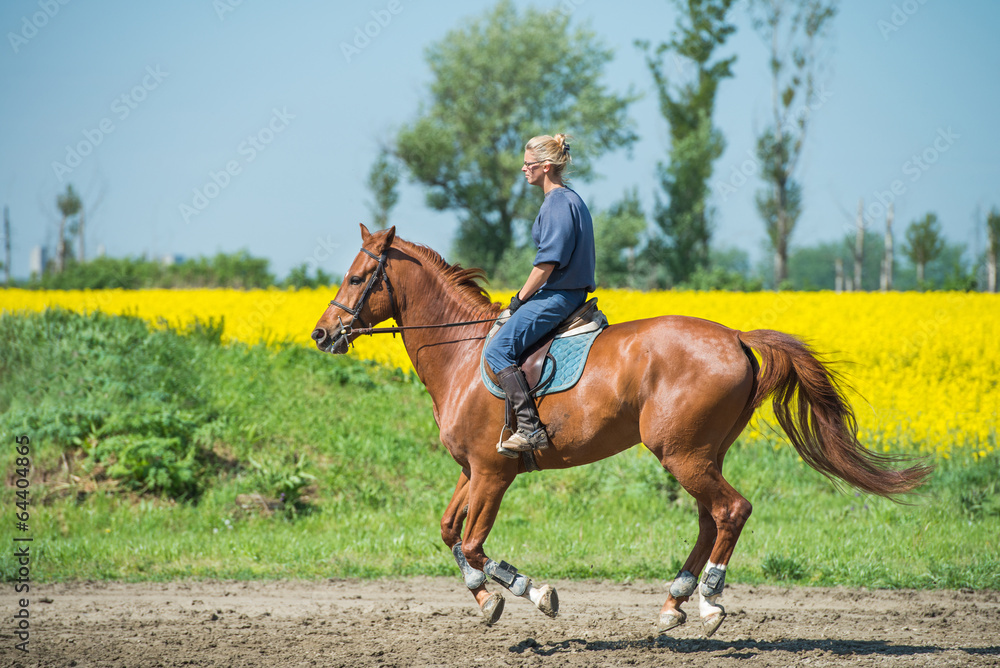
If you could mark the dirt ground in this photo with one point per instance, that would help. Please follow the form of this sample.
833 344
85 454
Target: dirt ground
434 622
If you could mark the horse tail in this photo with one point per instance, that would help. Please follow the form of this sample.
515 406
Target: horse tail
812 410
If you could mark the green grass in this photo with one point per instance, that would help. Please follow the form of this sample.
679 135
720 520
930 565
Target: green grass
256 420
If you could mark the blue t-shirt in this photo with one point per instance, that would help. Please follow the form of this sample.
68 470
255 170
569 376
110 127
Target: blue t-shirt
564 234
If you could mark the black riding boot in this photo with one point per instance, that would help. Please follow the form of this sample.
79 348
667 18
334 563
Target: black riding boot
530 434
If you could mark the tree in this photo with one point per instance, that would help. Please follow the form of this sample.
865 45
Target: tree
6 246
69 205
299 277
617 233
687 104
924 243
888 256
728 269
954 268
497 81
382 180
859 248
780 206
992 249
240 270
236 270
80 232
814 267
794 31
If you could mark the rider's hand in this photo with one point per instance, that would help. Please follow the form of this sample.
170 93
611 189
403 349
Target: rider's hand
515 303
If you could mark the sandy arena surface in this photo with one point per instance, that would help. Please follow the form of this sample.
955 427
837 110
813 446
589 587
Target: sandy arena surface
434 622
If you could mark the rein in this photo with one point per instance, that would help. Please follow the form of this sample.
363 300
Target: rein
393 330
380 275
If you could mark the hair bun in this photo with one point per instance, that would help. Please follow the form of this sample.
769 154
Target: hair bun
561 139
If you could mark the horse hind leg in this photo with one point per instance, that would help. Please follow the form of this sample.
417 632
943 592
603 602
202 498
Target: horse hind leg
685 584
730 512
696 461
701 479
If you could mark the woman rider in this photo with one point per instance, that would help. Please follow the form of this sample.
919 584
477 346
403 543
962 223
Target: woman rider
558 284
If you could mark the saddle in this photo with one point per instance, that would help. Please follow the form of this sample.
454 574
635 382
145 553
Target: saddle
584 320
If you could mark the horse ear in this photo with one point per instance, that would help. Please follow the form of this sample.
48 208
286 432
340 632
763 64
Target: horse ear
365 234
387 241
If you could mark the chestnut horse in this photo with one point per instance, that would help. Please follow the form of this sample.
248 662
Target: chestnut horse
684 387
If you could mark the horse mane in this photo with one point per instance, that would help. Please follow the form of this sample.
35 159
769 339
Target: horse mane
465 282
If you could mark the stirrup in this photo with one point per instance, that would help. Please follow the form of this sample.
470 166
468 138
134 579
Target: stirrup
522 442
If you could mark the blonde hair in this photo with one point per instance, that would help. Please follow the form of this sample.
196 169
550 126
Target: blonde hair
553 150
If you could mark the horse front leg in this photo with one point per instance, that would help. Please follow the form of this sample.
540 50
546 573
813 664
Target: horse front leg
490 604
486 491
451 534
454 514
544 598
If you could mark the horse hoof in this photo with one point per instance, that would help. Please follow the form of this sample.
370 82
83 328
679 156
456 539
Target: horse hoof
712 622
672 619
493 608
549 601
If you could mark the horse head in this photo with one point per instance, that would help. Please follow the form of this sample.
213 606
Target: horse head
364 298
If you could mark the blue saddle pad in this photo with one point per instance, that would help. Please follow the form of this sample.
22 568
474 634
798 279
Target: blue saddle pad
570 354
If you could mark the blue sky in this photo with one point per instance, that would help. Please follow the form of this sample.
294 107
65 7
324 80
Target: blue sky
218 125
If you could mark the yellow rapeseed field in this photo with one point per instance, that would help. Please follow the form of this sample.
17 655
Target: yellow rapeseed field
926 367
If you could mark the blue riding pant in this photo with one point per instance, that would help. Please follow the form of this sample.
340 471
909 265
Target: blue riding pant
534 319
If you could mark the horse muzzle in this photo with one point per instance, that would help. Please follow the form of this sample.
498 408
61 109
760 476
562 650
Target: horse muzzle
336 343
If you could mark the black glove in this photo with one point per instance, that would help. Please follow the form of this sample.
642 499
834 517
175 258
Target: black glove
515 303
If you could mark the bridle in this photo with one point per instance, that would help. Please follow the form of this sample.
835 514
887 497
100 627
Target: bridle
380 276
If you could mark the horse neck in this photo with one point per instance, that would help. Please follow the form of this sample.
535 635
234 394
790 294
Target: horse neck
427 297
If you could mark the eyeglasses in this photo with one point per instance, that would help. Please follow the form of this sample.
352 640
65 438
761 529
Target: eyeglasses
532 164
